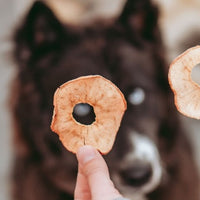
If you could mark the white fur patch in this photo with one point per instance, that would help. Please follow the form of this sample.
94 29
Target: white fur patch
145 150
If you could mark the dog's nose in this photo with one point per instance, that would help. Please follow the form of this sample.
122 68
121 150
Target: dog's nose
137 175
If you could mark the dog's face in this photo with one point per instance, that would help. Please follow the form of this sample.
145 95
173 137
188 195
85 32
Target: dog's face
127 53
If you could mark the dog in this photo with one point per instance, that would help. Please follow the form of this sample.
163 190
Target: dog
151 158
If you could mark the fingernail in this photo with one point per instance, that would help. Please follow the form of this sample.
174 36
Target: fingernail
85 154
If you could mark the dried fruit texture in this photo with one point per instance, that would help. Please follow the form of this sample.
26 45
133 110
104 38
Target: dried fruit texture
108 103
186 91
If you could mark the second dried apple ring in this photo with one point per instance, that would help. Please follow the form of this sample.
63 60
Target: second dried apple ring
186 91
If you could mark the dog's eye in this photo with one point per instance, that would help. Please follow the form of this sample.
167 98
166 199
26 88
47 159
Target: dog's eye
137 96
82 109
84 113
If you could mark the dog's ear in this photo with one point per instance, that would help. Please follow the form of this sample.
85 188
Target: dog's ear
40 31
140 17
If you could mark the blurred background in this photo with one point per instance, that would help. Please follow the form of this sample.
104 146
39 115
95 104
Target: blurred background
180 26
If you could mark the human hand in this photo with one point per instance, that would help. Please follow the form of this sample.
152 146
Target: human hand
93 180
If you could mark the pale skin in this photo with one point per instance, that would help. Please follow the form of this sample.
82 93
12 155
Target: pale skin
93 179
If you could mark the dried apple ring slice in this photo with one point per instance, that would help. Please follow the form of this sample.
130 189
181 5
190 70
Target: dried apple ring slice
186 91
109 106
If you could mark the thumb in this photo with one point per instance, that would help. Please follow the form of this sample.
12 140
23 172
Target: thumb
94 168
